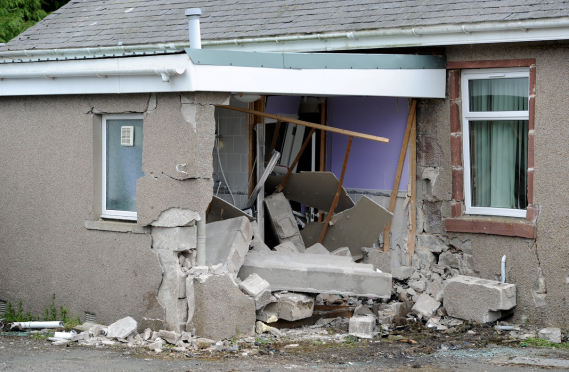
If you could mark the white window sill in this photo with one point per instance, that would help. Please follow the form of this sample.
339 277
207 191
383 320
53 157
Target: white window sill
116 227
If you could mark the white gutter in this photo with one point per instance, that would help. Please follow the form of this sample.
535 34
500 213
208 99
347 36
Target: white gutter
59 73
495 32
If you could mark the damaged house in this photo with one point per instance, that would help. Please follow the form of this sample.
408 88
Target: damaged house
282 154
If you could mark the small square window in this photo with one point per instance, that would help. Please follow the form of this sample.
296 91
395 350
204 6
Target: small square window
122 165
495 128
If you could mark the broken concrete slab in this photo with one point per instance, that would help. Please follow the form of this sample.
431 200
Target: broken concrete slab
122 328
227 243
550 334
316 273
286 247
425 306
259 289
220 210
402 272
344 251
290 306
354 228
479 300
314 189
221 309
362 326
176 217
283 221
449 259
317 249
379 259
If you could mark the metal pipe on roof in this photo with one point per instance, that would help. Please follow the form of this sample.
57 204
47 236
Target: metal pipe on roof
193 15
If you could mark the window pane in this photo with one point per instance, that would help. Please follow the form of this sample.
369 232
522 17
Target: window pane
498 94
498 158
124 166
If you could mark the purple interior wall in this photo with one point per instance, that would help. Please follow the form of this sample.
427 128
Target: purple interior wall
283 105
371 165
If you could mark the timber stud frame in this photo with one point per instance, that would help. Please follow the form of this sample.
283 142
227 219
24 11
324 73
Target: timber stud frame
487 224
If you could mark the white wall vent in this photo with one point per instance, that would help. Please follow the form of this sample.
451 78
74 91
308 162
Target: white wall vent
127 136
3 307
92 318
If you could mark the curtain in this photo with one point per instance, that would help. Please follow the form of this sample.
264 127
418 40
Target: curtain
499 147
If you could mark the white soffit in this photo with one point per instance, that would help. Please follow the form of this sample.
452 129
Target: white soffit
142 75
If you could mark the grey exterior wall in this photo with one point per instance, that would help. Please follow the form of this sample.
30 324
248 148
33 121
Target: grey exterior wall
526 258
50 161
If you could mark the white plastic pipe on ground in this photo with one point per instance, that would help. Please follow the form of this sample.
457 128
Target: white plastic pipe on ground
504 269
38 325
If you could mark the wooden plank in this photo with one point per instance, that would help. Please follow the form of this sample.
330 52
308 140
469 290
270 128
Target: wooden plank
335 202
322 168
275 136
411 239
398 174
306 141
251 148
308 124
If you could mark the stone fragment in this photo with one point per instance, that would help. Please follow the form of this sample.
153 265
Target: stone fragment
425 306
415 276
466 265
286 247
435 289
316 273
204 343
449 259
156 346
402 272
259 289
550 334
362 326
176 217
261 327
479 300
147 334
228 243
267 313
291 306
379 259
283 221
344 251
97 330
317 249
255 234
216 269
122 328
423 259
419 286
154 336
432 242
169 336
198 270
221 309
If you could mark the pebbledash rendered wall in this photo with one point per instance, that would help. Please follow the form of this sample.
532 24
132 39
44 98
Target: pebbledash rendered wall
539 267
50 161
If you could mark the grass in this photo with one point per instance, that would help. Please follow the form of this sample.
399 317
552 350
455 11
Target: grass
50 314
543 343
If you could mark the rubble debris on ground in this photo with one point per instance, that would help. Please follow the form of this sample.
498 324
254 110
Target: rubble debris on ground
283 221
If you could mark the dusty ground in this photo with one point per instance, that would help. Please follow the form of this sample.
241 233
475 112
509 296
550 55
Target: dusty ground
433 351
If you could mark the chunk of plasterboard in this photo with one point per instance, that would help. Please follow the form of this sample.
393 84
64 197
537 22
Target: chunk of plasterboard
354 228
227 243
283 221
316 273
220 210
314 189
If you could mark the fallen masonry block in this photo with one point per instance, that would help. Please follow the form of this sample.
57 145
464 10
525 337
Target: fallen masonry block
227 243
362 326
287 247
550 334
478 299
290 306
168 336
317 249
259 289
122 328
283 221
425 306
221 309
316 273
402 272
378 258
344 251
423 259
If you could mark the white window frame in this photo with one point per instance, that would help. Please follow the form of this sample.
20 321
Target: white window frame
467 116
109 213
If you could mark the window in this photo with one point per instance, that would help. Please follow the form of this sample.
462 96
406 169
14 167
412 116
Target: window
122 165
495 117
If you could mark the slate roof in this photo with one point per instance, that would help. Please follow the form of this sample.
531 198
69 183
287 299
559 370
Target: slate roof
93 23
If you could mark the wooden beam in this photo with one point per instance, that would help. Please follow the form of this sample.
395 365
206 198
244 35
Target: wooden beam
290 169
308 124
411 239
275 136
398 174
338 192
322 168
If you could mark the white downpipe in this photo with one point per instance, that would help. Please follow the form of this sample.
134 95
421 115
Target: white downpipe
504 269
415 32
38 325
60 73
193 15
201 240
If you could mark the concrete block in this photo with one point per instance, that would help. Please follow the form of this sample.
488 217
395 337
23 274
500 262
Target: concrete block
449 259
122 328
176 217
550 334
432 242
221 309
435 288
291 306
418 286
317 249
425 306
402 272
259 289
379 259
344 251
227 243
362 326
256 234
283 221
169 337
316 273
287 247
423 259
477 299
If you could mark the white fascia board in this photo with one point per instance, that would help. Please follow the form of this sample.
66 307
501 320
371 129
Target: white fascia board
427 83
